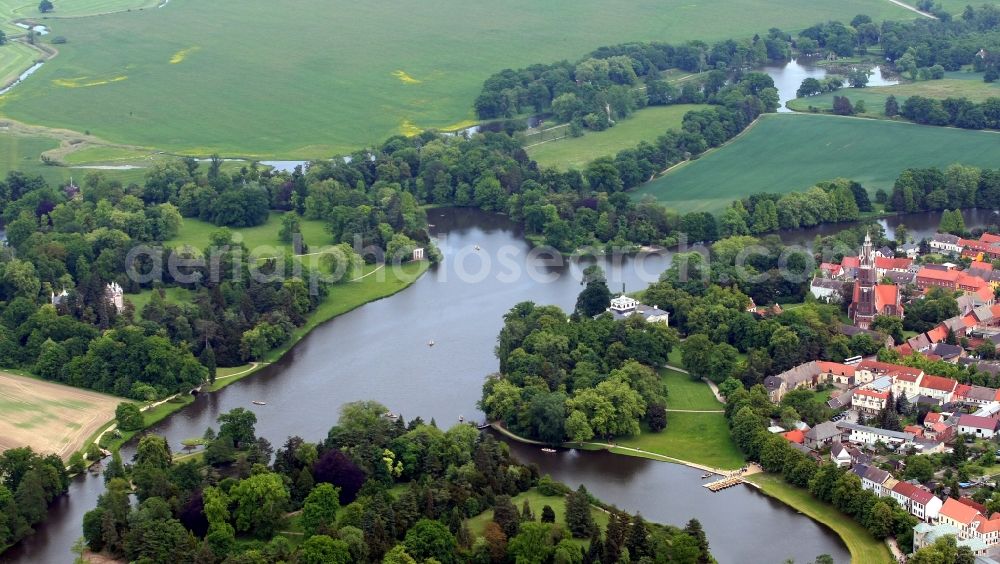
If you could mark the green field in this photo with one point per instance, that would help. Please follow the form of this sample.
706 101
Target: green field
955 84
255 79
477 524
702 438
262 240
862 545
644 125
791 152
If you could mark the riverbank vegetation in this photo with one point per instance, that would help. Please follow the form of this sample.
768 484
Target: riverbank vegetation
375 490
29 482
63 316
862 546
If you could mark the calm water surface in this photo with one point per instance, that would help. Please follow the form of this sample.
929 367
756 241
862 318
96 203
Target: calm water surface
379 351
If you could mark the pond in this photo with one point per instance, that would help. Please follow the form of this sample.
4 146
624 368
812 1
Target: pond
789 76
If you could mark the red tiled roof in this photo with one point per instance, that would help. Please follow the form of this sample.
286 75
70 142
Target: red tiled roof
989 238
796 436
904 349
836 368
938 383
892 263
962 389
970 281
973 504
831 268
943 275
904 489
851 262
886 294
978 265
887 368
977 422
871 393
989 526
958 511
937 334
921 496
915 429
985 293
932 418
970 320
939 427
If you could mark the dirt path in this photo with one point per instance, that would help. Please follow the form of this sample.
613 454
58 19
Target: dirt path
913 9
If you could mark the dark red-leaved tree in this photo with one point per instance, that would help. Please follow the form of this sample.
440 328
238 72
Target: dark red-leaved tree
335 468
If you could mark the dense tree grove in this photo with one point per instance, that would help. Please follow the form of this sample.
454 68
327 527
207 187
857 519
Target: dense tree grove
958 112
413 488
67 244
28 483
578 380
601 88
931 189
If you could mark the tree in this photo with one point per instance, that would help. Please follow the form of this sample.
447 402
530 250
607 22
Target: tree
290 226
319 512
891 106
129 417
842 106
76 465
322 549
952 222
532 544
594 299
237 426
430 539
45 6
260 501
579 519
548 514
336 468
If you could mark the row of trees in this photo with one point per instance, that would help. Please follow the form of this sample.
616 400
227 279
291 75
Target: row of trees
931 189
376 490
958 112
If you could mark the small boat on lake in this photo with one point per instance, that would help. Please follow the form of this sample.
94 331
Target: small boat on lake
391 415
477 247
430 343
548 450
703 476
258 402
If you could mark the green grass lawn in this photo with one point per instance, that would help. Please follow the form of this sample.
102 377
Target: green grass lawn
15 58
685 393
477 524
262 240
174 294
702 438
863 546
791 152
253 79
644 125
955 84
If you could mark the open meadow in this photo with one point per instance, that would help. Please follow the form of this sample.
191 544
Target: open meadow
256 79
960 84
699 435
791 152
50 417
537 500
644 125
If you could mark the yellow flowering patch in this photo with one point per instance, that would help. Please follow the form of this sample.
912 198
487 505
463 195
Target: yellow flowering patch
404 77
409 129
85 81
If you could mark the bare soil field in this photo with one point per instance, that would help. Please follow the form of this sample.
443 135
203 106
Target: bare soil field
49 417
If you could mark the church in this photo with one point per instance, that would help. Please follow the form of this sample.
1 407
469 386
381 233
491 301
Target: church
871 298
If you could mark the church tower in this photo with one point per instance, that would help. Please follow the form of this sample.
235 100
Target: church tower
864 308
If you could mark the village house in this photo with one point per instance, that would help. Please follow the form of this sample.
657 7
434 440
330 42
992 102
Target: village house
937 387
869 402
981 427
846 456
623 307
920 502
827 290
945 243
822 435
862 434
872 478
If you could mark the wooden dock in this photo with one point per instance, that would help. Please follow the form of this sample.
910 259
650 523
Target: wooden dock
724 483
